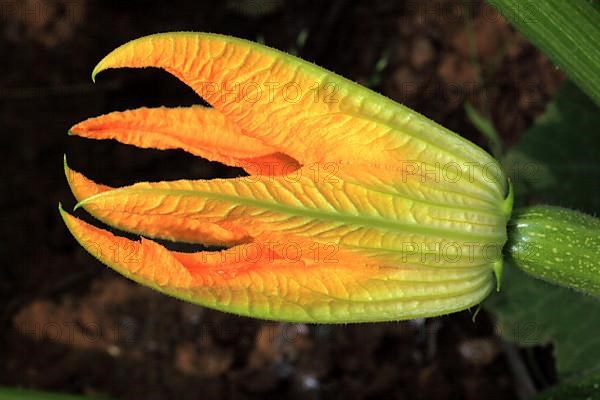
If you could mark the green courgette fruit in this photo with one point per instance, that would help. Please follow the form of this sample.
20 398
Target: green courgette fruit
557 245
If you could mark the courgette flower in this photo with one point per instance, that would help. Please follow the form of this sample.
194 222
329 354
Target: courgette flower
355 208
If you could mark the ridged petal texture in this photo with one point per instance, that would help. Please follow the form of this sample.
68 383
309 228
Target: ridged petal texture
355 208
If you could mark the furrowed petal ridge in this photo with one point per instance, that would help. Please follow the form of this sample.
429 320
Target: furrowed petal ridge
355 209
251 84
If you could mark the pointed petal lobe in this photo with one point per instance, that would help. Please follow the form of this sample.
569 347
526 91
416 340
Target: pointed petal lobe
262 281
306 112
337 212
197 130
156 226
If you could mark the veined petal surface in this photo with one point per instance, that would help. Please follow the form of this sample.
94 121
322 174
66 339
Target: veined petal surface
327 118
269 281
357 208
198 130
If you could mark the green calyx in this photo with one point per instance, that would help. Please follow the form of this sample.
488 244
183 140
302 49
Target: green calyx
558 245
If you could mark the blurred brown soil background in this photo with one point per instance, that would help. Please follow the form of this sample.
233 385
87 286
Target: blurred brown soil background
69 324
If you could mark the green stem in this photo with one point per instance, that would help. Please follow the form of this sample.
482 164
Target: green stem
558 245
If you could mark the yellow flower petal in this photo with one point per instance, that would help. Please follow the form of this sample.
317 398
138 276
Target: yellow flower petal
156 226
198 130
311 114
413 215
334 212
274 280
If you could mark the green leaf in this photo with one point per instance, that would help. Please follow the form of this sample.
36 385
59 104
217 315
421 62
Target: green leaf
585 388
555 162
22 394
568 32
532 312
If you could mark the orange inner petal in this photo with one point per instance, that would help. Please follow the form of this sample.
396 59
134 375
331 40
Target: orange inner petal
197 130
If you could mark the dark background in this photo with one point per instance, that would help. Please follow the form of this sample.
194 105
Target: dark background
69 324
